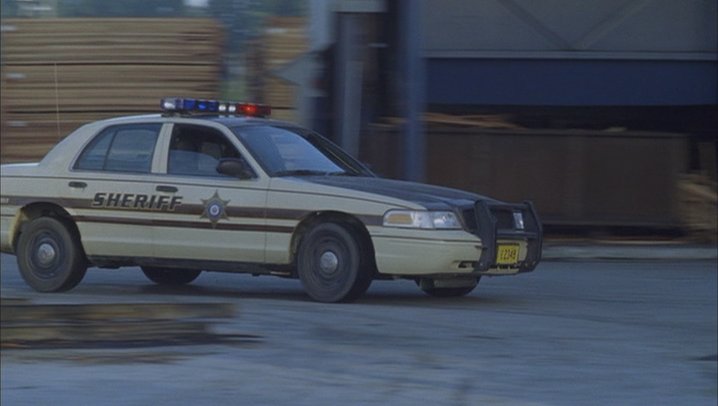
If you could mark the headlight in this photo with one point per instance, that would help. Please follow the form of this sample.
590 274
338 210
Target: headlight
444 220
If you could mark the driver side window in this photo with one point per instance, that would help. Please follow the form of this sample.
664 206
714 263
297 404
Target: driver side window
196 150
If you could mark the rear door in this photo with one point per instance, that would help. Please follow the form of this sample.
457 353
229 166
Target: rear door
110 193
215 217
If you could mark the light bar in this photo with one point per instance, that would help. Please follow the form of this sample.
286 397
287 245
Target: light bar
186 105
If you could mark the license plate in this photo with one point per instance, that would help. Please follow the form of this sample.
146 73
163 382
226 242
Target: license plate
507 254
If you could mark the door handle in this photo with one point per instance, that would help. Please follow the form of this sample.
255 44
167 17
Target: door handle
79 185
168 189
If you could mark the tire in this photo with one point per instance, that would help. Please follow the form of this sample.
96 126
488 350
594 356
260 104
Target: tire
170 277
332 264
448 292
50 255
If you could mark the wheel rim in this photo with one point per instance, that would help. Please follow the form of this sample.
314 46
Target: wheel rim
328 263
46 256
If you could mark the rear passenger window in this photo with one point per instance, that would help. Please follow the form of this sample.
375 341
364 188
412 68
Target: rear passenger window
125 148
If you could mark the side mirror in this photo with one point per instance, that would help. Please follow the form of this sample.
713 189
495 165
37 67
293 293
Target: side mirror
235 167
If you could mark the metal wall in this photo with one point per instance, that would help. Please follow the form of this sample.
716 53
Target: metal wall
567 52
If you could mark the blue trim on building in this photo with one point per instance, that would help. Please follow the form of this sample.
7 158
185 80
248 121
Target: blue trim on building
571 82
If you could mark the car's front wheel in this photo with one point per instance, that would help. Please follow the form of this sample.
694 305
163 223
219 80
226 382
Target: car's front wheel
171 277
332 264
430 289
50 256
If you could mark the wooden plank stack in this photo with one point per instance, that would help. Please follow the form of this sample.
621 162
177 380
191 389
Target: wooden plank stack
283 40
58 74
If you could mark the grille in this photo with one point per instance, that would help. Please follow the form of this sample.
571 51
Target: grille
504 219
503 215
470 223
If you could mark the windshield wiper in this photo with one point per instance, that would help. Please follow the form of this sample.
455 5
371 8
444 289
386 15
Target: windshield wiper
342 173
312 172
301 172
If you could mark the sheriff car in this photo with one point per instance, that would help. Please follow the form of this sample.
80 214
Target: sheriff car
215 186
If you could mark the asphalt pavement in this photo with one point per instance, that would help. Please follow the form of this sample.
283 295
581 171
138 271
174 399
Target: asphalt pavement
595 324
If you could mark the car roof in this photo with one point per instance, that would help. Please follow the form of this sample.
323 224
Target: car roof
228 121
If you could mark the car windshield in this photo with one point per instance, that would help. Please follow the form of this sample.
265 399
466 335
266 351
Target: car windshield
290 151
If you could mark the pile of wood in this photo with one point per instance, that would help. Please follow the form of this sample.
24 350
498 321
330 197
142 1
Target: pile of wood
699 206
58 74
283 40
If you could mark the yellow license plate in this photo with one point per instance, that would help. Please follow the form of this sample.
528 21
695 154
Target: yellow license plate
507 254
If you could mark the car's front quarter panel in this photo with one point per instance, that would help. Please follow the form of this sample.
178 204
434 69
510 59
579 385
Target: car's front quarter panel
291 201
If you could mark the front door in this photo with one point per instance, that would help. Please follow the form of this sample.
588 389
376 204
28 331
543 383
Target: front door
215 217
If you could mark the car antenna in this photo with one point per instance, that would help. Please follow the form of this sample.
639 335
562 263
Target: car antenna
57 103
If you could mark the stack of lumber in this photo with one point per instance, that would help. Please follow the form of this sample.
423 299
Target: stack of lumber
283 40
58 74
699 206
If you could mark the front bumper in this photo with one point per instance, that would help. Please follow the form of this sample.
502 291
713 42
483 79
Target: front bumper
423 252
495 224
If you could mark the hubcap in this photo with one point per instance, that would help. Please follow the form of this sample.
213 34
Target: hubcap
46 254
328 262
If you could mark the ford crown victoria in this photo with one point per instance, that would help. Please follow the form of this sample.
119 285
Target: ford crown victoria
213 186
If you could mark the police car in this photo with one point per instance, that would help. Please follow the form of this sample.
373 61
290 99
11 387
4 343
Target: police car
215 186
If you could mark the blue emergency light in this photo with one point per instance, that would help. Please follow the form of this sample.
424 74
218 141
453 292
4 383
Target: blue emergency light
188 105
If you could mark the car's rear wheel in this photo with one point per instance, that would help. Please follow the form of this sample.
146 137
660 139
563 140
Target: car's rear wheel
430 289
171 277
50 256
332 264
